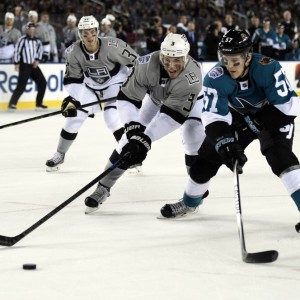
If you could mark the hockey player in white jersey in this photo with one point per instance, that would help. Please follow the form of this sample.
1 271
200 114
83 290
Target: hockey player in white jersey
173 81
95 69
8 38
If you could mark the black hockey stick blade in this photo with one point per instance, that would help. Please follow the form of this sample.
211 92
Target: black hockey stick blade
256 257
10 241
260 257
51 114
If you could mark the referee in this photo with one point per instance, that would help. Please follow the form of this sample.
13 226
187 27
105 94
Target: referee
28 54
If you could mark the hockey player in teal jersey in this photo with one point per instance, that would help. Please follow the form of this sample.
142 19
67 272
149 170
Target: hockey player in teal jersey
246 97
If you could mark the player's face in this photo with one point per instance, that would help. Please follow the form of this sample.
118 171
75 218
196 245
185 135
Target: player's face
90 38
235 65
173 65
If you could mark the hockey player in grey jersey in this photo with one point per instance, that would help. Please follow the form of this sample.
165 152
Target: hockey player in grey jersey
173 81
8 39
95 70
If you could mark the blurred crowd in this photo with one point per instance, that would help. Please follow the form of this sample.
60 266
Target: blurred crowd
143 23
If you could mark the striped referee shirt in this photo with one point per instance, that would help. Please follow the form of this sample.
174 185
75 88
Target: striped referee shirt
28 50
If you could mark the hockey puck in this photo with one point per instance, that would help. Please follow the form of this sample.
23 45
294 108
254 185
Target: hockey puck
29 266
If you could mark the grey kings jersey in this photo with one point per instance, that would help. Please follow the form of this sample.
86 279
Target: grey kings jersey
176 97
101 69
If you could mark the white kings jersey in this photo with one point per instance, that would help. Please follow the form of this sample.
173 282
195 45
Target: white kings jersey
101 69
8 40
176 97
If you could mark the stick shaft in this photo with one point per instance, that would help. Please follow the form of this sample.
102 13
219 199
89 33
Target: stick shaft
50 114
10 241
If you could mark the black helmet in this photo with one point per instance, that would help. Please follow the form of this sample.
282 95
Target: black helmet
235 42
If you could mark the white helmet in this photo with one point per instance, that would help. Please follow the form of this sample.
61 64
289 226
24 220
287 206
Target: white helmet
9 15
72 18
175 45
88 22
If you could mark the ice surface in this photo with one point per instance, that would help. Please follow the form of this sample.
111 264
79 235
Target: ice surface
123 251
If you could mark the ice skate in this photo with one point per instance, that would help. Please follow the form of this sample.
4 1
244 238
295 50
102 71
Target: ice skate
93 201
177 209
54 163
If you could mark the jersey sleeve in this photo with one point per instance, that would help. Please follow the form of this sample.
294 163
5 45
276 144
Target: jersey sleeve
121 52
279 92
136 85
73 73
216 88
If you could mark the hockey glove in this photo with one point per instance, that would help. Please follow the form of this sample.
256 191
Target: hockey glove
69 107
138 147
230 151
252 124
133 128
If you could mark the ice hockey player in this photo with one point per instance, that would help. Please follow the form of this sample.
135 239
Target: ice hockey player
247 97
96 67
174 81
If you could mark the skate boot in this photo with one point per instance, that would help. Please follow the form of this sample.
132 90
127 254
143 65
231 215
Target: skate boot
53 163
98 197
177 209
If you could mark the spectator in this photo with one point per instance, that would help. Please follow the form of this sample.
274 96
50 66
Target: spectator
106 29
192 37
265 37
154 41
289 25
20 19
52 36
255 24
211 41
8 39
294 55
283 43
172 29
28 54
121 34
228 24
182 25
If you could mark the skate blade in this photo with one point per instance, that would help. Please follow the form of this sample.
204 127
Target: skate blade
183 216
53 169
135 171
89 210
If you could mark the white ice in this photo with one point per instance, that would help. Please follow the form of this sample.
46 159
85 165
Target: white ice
123 251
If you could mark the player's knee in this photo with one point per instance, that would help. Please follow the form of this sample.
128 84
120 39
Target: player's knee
280 159
202 171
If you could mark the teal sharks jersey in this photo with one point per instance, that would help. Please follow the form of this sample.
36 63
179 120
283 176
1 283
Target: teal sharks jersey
265 83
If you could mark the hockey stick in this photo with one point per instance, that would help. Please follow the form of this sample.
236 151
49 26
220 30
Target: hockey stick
10 241
52 114
256 257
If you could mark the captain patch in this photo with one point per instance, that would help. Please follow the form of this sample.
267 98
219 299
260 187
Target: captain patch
216 72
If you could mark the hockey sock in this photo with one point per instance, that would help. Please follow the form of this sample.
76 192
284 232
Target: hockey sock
296 197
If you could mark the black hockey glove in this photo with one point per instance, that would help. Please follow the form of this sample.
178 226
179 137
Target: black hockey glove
138 147
132 128
230 151
69 107
252 124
